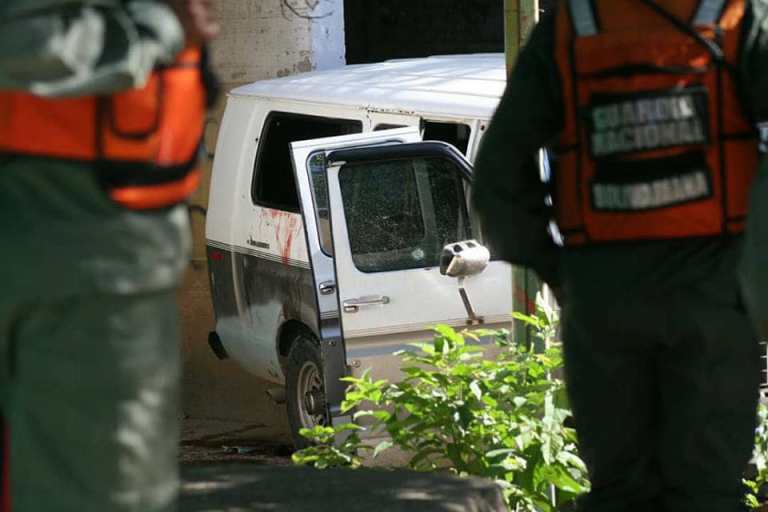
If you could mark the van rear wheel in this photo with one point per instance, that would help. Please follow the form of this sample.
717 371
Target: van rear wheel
305 389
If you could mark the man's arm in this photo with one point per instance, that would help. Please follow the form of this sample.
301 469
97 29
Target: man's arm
508 193
82 50
753 68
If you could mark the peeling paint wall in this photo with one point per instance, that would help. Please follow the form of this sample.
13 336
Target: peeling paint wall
269 38
259 39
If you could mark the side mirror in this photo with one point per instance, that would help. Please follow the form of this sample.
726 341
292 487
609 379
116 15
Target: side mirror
464 259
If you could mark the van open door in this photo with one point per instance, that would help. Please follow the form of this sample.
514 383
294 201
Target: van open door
379 209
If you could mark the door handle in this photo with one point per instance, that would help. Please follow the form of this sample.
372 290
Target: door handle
327 287
354 305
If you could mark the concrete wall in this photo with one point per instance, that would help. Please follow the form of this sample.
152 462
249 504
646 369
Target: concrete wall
260 39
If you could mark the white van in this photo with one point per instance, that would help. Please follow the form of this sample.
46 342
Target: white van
328 215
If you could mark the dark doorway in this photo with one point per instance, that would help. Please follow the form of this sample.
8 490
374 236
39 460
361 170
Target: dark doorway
379 30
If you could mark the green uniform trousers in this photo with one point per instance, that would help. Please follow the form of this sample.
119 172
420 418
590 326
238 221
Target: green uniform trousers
662 371
89 343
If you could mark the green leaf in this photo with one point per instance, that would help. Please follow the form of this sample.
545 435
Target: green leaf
567 483
382 446
499 452
348 427
474 386
449 333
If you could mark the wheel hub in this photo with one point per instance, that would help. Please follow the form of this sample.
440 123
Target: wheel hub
314 402
310 396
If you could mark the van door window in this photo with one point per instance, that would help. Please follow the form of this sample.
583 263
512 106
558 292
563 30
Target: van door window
274 184
319 178
400 213
455 134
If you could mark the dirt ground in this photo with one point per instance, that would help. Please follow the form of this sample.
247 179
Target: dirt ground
205 441
227 415
260 452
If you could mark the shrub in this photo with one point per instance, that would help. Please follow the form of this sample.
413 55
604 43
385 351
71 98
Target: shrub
756 486
500 418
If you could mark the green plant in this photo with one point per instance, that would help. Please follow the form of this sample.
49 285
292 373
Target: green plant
760 459
455 410
329 452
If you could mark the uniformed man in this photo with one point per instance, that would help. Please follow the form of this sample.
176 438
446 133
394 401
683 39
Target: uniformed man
101 113
649 108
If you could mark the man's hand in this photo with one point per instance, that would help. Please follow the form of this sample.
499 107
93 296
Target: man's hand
198 19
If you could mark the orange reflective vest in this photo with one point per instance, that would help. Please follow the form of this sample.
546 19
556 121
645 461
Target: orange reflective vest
656 143
145 141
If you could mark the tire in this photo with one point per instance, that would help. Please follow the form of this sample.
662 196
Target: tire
305 389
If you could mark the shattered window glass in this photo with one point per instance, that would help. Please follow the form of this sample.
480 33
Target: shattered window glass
400 213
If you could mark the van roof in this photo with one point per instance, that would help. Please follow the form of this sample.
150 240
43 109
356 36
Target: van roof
451 85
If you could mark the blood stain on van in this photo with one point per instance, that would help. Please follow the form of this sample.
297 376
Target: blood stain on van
285 224
291 228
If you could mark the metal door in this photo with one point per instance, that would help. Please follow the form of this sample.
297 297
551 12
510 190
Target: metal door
391 208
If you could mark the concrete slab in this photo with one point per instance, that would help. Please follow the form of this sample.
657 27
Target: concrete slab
250 488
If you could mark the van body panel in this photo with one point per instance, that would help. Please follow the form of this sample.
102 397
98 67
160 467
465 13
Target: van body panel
460 85
254 296
416 296
396 306
233 158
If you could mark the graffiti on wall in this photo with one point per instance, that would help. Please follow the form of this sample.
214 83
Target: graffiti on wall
309 9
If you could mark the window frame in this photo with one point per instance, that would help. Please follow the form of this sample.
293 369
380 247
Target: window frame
445 123
427 149
256 169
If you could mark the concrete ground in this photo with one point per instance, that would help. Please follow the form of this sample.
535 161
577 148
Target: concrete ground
249 488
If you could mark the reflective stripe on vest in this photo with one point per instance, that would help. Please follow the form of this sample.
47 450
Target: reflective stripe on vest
585 22
583 16
655 143
709 12
144 141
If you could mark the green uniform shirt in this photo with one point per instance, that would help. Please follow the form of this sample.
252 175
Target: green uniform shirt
510 198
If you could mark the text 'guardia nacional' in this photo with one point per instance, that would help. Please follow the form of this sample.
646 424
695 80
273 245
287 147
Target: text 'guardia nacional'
647 124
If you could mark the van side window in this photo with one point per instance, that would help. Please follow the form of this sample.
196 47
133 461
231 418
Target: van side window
455 134
274 185
401 213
